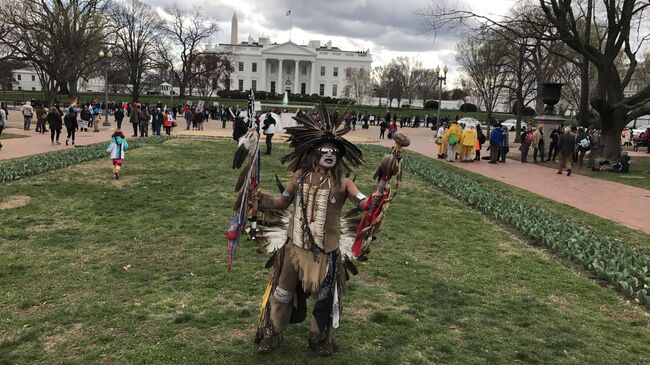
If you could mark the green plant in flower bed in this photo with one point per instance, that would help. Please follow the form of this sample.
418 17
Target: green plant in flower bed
38 164
609 259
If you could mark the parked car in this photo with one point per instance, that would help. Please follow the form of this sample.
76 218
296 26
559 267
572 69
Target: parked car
511 124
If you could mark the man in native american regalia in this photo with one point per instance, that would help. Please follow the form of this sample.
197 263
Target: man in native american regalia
310 261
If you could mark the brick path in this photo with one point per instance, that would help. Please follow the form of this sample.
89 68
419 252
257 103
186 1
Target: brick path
620 203
624 204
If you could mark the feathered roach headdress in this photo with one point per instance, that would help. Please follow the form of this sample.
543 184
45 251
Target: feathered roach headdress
310 133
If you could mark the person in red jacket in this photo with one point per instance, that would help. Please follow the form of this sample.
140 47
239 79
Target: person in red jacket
168 122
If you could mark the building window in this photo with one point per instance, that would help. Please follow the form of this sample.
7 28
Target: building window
335 73
334 90
33 78
273 68
254 67
348 72
321 92
304 70
33 88
18 77
241 85
241 66
254 85
20 88
322 70
303 88
272 87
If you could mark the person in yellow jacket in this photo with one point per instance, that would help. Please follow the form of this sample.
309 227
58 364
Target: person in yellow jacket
452 138
468 143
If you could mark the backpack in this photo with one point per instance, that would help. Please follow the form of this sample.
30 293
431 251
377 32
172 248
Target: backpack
453 139
584 143
528 138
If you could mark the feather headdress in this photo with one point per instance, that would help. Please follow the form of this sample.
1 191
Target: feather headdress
310 133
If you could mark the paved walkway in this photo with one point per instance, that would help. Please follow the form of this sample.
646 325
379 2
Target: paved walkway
624 204
621 203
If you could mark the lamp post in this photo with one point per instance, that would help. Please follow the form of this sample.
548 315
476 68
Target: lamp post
106 57
442 78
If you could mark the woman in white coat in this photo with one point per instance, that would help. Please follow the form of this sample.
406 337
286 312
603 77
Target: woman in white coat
269 131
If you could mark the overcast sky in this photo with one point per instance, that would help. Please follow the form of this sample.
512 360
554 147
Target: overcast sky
388 28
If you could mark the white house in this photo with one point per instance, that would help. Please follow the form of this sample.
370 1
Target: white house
299 69
27 80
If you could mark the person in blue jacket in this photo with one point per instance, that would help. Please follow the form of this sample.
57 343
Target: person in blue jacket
116 149
495 142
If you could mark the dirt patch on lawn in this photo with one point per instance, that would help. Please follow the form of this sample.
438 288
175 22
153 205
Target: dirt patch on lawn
15 201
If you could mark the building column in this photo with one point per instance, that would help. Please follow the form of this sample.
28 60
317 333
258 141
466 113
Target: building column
312 80
263 76
296 89
279 88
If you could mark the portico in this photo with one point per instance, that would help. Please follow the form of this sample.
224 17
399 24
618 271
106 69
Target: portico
292 69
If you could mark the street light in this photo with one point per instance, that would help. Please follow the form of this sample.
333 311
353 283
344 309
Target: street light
106 57
441 79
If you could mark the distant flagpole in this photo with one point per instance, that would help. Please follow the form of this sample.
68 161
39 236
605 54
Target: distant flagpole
290 21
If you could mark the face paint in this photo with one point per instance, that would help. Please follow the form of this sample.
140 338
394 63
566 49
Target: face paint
328 157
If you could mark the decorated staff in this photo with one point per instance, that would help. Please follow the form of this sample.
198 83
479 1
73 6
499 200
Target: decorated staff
391 166
247 183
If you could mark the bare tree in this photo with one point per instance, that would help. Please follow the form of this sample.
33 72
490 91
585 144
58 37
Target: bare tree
617 28
484 64
379 87
137 32
425 84
59 39
212 70
358 83
407 70
186 32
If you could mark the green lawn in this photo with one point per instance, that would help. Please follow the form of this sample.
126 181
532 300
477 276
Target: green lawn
12 135
639 240
134 271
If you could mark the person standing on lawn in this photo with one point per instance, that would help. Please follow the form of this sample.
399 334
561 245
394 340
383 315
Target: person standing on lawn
269 131
116 149
309 262
566 146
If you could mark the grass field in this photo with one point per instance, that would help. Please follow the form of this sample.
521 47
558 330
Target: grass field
11 135
134 271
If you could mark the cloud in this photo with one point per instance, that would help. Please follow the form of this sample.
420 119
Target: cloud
388 28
